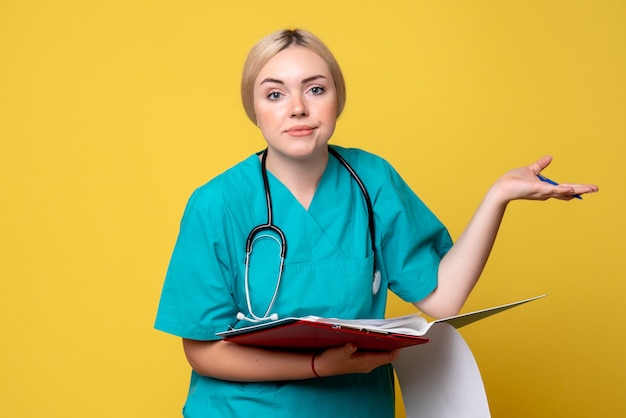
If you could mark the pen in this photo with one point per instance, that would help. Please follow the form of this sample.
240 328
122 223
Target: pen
554 183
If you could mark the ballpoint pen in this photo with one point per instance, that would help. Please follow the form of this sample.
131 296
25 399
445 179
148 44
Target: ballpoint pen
554 183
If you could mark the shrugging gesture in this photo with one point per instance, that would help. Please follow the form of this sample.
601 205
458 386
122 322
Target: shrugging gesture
460 269
524 183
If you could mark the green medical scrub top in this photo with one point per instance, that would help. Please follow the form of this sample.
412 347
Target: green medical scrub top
328 272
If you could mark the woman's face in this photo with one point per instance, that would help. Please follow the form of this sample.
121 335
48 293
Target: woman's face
295 102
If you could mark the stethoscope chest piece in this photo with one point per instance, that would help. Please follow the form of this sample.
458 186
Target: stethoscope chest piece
376 282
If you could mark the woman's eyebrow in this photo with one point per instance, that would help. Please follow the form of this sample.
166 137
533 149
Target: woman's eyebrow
271 80
312 78
304 81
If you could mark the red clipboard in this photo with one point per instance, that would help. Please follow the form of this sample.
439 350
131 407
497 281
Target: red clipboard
300 334
320 333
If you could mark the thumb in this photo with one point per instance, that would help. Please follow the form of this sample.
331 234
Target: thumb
541 163
350 348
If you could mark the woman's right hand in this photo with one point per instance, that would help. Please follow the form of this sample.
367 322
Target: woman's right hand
229 361
348 359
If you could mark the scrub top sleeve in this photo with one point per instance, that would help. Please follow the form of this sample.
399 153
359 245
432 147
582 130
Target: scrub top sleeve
413 239
196 301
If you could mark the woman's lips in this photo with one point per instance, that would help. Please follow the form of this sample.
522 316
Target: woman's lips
301 130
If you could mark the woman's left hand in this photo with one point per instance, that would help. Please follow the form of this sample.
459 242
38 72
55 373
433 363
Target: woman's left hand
523 183
461 267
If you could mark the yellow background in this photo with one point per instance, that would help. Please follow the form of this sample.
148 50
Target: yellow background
112 112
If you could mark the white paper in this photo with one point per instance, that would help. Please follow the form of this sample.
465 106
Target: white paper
441 379
415 324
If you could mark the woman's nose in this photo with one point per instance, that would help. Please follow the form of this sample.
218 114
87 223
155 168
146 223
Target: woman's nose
298 106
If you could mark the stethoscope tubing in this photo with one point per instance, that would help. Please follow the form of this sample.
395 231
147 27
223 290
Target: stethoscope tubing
366 195
256 233
269 226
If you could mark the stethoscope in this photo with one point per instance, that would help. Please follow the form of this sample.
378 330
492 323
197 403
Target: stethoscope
270 230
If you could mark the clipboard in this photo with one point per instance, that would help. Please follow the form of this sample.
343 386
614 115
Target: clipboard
304 334
315 333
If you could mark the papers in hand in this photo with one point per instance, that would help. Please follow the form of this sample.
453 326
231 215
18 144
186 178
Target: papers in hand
413 324
312 332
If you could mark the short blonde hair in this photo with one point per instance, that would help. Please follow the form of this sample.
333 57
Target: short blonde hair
272 44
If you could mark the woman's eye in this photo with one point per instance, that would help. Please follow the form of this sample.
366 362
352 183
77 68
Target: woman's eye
274 96
317 90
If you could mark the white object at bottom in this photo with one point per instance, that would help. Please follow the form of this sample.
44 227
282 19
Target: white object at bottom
441 379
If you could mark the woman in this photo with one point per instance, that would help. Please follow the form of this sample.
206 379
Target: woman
338 263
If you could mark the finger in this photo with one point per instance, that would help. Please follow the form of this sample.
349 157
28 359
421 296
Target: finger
576 190
541 164
582 188
569 192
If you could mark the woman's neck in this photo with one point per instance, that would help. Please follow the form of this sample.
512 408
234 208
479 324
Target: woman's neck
300 176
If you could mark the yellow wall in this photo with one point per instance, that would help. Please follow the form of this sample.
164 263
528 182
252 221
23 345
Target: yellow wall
111 112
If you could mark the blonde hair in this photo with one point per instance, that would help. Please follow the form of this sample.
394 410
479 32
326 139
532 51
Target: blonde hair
272 44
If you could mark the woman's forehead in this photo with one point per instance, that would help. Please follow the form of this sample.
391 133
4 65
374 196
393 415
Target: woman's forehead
294 63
